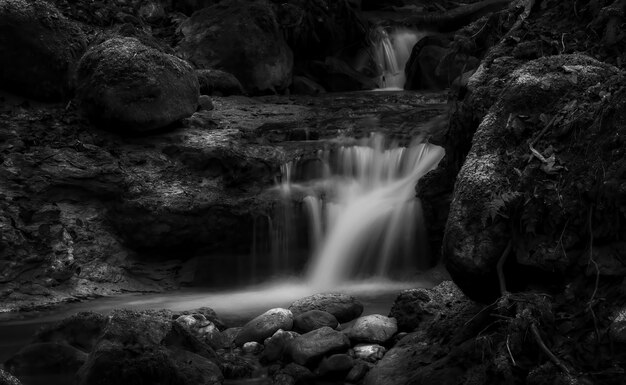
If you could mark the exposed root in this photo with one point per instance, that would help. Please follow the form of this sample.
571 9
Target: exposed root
500 268
544 348
528 6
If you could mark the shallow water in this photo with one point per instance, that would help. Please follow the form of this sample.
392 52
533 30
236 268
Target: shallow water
234 307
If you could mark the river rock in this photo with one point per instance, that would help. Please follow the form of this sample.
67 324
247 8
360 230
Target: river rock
314 319
374 328
46 358
276 346
252 348
244 40
358 372
80 330
219 83
39 48
229 335
202 328
345 308
208 313
305 86
235 366
123 85
309 347
7 378
369 352
265 326
336 366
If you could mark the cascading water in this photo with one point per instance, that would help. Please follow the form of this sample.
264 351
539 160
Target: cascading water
392 50
362 216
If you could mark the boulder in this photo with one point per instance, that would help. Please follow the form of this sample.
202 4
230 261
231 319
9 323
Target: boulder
358 372
265 326
345 308
310 347
276 346
229 335
242 38
125 86
46 358
490 188
39 48
314 319
219 83
369 352
336 366
373 328
252 348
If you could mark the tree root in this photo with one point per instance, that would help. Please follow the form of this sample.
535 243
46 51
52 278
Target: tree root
544 348
528 6
500 268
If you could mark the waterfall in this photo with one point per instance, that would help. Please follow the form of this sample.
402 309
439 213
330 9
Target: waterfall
391 51
362 216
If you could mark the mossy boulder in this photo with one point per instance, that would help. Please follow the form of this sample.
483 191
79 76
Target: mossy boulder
125 86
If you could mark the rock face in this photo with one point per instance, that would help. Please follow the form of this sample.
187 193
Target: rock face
265 325
314 319
242 38
309 347
123 85
373 328
547 92
38 50
344 307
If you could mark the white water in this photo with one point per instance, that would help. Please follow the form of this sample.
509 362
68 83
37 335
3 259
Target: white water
392 51
363 217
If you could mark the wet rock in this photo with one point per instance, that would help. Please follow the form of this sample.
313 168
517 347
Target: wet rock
276 346
208 313
144 328
203 329
229 336
336 75
309 347
369 352
253 348
314 319
80 330
416 306
217 82
7 378
180 338
345 308
283 379
46 358
245 40
39 48
373 328
125 86
265 326
358 372
298 372
305 86
336 366
234 366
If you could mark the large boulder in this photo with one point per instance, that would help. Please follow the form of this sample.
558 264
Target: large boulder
344 307
80 330
39 48
310 347
373 328
242 38
123 85
265 325
531 203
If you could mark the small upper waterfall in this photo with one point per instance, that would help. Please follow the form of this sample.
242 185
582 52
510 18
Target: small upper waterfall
391 51
359 209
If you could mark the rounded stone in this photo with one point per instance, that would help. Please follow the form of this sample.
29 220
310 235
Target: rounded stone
374 328
314 319
265 326
345 308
